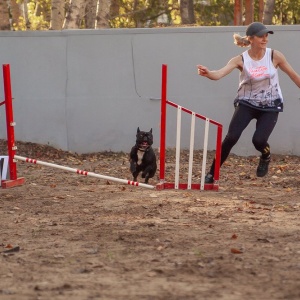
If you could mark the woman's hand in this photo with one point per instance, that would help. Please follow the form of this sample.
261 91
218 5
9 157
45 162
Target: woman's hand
202 71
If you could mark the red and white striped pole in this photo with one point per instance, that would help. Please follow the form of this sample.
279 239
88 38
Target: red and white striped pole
81 172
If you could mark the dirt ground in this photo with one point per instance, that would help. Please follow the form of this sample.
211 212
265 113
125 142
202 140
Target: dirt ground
68 236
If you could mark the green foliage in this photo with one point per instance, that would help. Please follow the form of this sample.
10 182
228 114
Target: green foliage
146 13
38 16
287 12
143 13
214 12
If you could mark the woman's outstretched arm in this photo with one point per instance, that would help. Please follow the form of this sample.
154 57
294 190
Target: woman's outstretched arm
234 63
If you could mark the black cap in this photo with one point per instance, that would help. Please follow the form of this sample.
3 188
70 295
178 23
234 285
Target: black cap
257 29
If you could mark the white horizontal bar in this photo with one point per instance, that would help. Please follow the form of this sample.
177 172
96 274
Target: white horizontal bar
125 181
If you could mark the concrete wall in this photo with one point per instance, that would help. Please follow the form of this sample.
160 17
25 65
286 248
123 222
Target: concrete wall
88 90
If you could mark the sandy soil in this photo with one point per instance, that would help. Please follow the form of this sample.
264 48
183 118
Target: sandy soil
67 236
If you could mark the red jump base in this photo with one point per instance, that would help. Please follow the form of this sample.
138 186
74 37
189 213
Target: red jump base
12 183
184 186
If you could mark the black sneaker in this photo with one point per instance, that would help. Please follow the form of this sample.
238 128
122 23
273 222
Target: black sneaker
263 166
209 178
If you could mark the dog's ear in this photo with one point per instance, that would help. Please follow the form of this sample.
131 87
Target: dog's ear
138 130
151 130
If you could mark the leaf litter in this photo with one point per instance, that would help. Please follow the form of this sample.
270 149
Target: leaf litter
72 236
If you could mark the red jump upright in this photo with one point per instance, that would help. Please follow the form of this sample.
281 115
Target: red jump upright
11 146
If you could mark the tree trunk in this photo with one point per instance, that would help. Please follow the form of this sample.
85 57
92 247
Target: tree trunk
103 14
25 15
187 12
269 12
4 16
57 14
238 12
260 10
74 14
15 12
91 14
114 8
249 11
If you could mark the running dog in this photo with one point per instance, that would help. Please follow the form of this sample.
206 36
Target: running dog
142 156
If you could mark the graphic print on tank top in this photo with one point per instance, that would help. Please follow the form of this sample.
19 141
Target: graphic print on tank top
259 84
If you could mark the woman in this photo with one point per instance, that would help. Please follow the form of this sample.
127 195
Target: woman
259 95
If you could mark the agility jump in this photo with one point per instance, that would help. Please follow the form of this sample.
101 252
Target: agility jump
189 185
13 158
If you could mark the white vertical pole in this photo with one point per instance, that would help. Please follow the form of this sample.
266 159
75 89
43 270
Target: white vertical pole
191 156
204 153
178 135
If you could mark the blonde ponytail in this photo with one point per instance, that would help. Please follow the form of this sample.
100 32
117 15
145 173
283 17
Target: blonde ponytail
241 41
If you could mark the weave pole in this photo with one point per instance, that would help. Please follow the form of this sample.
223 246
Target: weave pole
81 172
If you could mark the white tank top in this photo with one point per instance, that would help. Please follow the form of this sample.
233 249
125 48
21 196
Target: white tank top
259 84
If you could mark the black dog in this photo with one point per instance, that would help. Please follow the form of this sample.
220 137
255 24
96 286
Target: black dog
142 156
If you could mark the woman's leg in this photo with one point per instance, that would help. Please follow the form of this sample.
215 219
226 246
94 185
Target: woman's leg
240 120
265 124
